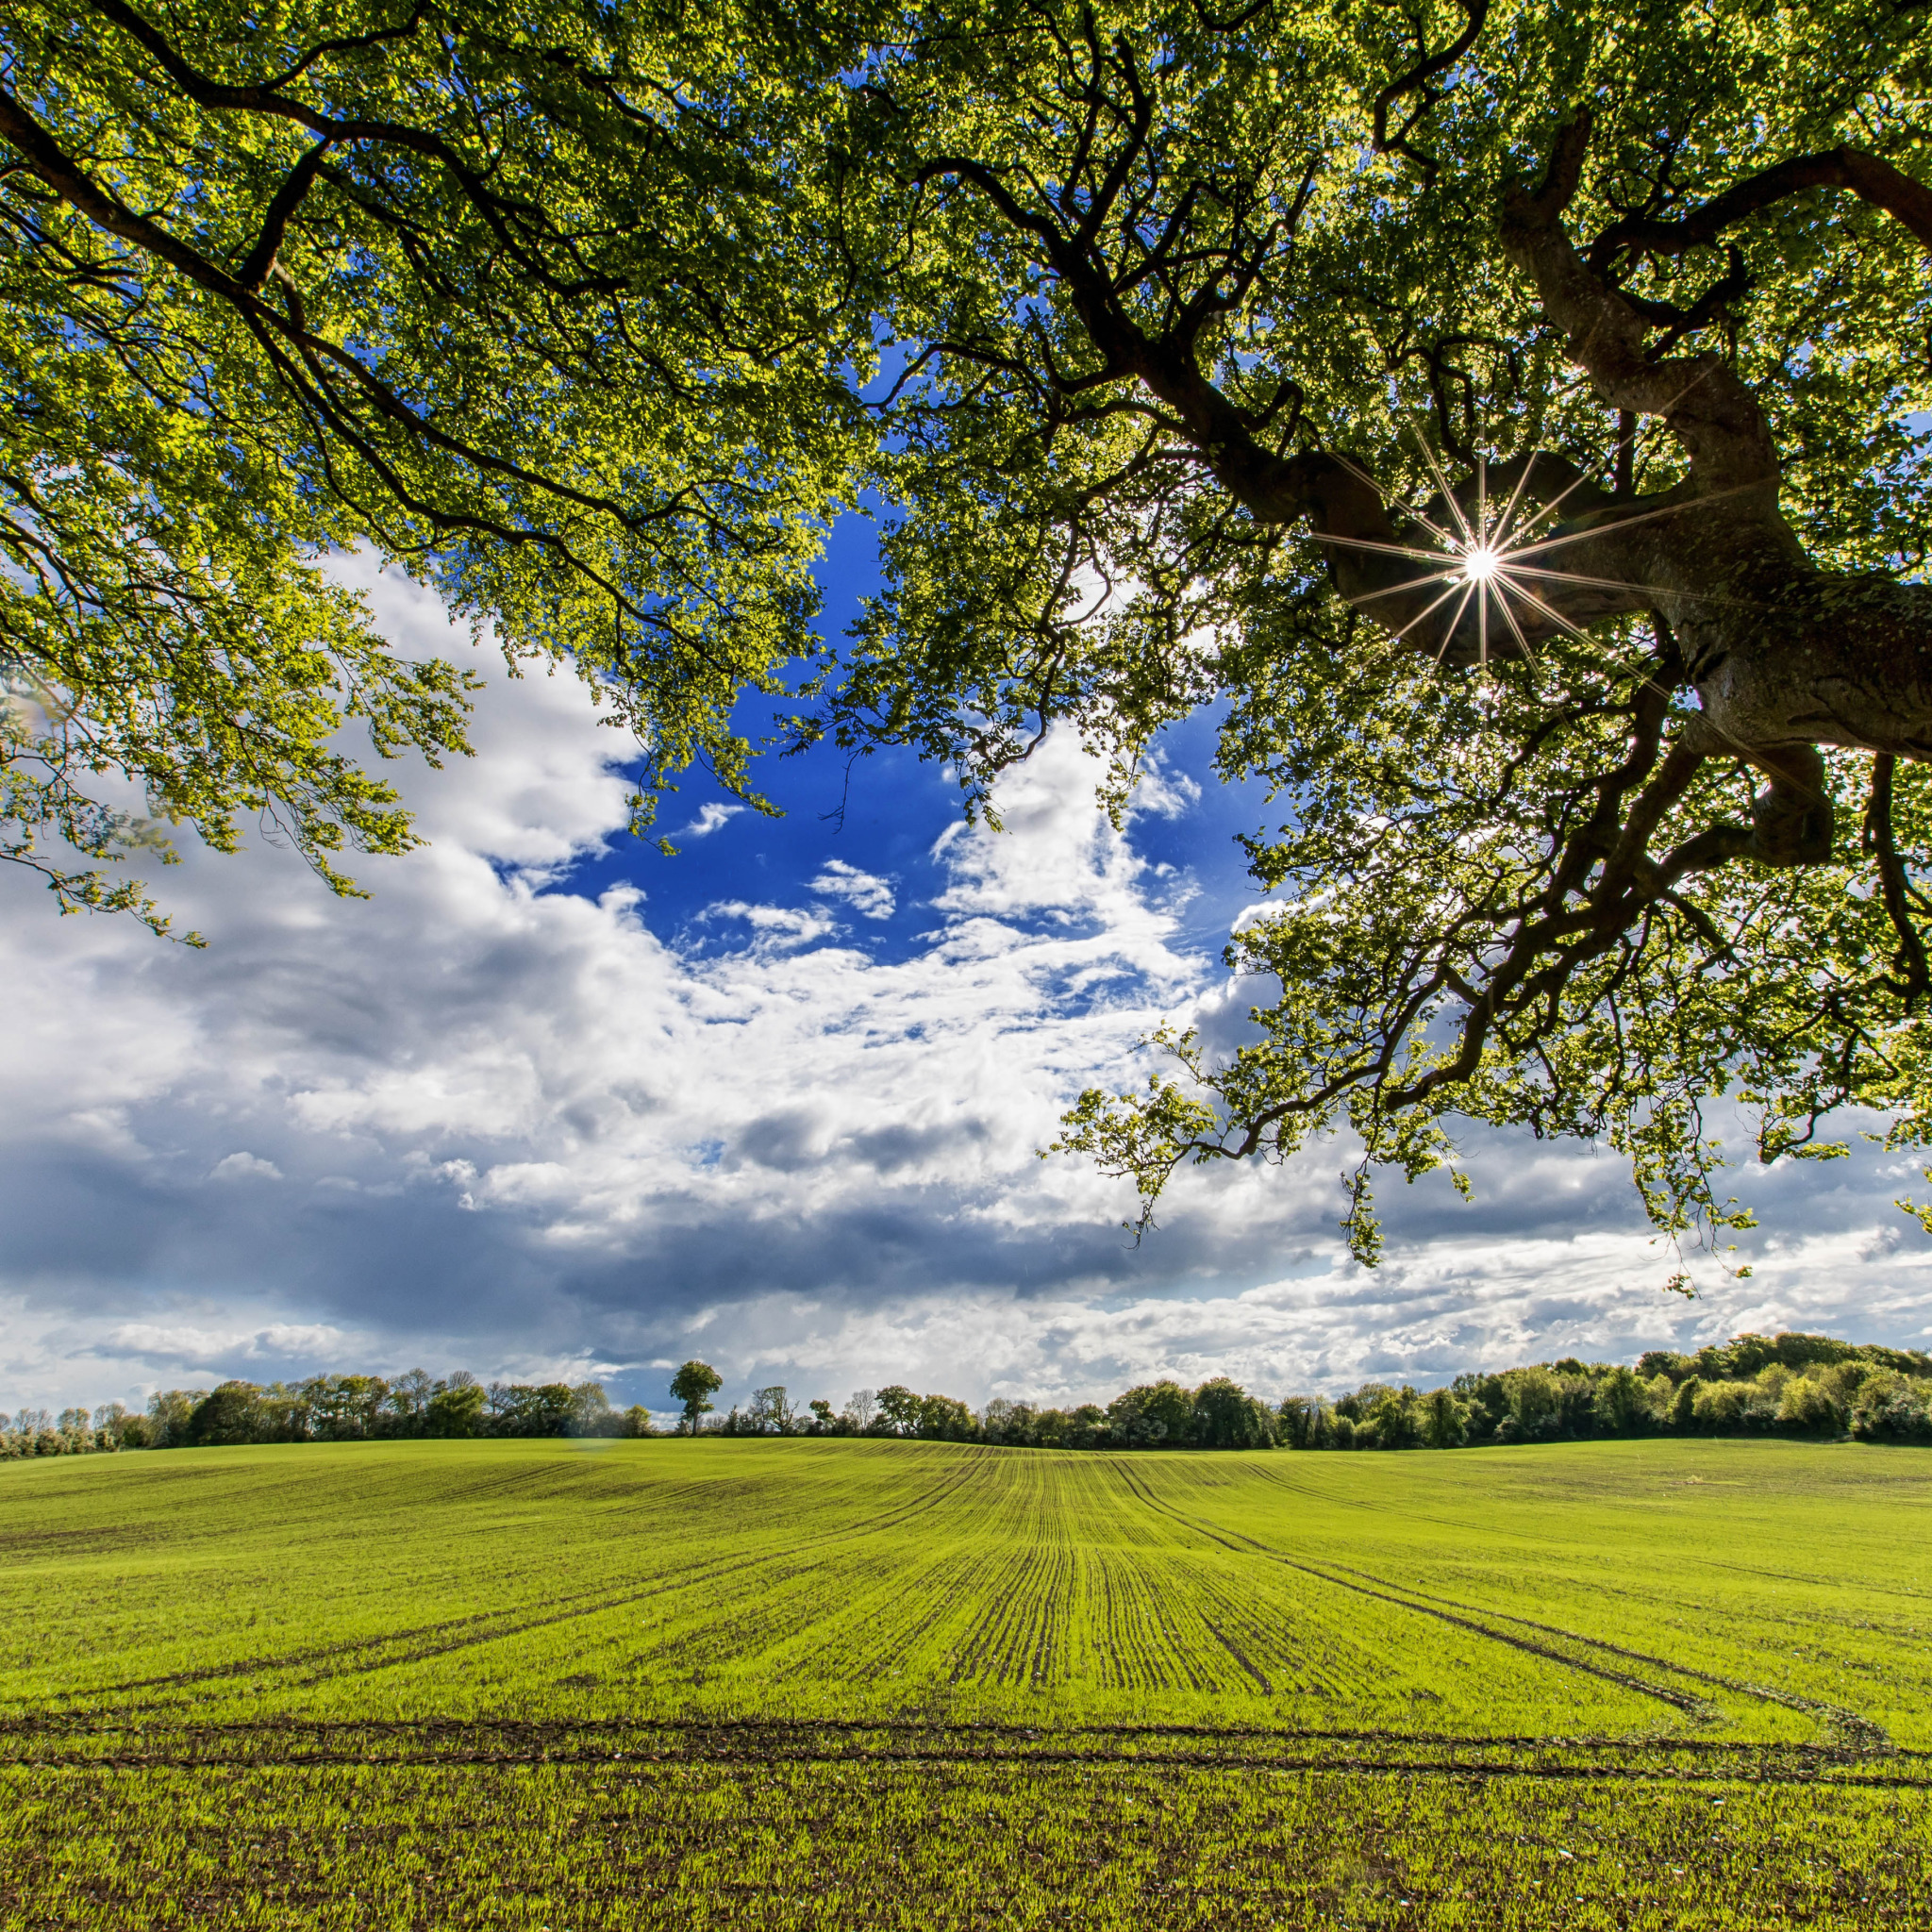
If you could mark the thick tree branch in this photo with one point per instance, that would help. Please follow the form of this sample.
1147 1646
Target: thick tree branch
1875 182
1702 401
260 260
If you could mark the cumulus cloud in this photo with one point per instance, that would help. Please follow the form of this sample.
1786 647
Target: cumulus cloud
868 895
484 1119
709 818
242 1167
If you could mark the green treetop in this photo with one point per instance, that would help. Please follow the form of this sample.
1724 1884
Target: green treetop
692 1387
1513 416
468 288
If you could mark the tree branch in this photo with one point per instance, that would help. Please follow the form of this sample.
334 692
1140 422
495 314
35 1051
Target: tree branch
260 261
1417 81
1876 183
1882 843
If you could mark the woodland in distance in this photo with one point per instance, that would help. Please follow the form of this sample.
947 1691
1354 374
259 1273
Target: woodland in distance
1803 1385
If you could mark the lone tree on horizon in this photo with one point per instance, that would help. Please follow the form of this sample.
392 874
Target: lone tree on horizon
694 1385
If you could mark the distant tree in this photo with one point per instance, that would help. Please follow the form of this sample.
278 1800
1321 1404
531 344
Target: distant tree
1012 1424
898 1409
772 1412
1151 1415
522 1408
408 1402
455 1409
1684 1404
635 1420
113 1420
1445 1420
823 1423
1400 1420
1488 1403
1892 1409
861 1410
1358 1406
591 1413
225 1415
1306 1422
1084 1427
168 1410
346 1409
694 1385
1536 1405
1227 1417
1623 1401
945 1419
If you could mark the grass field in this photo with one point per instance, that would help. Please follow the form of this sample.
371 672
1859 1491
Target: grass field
566 1685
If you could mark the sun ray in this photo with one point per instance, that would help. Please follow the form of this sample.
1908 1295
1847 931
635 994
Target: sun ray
1619 524
1409 550
1454 576
1516 629
1443 484
1436 606
1514 569
1556 616
1505 524
1558 500
1354 469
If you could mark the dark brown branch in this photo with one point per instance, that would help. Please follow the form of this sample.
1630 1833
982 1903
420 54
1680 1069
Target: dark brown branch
1417 81
1876 183
260 260
1882 843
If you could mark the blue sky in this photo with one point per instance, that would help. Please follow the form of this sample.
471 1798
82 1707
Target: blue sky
551 1103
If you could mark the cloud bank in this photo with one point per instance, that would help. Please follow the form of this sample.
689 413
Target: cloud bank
485 1119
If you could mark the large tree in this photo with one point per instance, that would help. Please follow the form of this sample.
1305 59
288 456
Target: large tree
466 287
1513 415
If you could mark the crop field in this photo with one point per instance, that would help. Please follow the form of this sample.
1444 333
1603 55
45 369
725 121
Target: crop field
575 1685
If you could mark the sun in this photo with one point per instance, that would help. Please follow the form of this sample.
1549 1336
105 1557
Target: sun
1492 558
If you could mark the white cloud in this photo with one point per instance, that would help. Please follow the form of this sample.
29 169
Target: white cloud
869 895
516 1129
239 1166
709 818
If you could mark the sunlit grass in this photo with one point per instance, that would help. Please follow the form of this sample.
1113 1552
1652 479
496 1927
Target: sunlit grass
865 1683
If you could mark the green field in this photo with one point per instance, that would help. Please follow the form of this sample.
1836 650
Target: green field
570 1684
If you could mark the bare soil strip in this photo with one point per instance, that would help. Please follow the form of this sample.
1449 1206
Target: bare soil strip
80 1743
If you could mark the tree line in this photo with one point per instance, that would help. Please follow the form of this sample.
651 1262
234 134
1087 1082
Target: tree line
1787 1384
1791 1384
326 1409
1749 1386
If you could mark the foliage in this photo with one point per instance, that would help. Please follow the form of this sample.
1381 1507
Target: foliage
1226 343
692 1387
475 294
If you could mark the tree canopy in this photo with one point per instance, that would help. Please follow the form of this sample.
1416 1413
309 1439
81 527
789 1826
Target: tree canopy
1513 417
463 289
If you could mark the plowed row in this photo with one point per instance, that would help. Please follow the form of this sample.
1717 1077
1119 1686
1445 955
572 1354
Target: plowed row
362 1640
